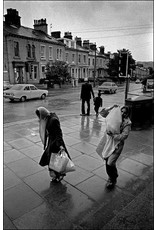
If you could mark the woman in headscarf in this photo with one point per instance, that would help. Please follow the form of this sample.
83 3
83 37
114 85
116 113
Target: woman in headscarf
52 139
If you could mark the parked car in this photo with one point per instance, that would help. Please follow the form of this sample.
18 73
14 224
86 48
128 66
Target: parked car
23 92
137 81
6 85
110 87
150 84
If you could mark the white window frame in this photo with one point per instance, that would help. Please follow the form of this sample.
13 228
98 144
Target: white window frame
43 54
50 53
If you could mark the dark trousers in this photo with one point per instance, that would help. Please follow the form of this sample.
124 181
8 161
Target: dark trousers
83 106
96 108
111 163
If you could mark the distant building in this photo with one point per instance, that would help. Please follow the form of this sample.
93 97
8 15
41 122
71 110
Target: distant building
26 50
141 72
75 56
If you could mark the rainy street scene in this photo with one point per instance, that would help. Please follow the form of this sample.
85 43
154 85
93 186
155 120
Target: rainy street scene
78 115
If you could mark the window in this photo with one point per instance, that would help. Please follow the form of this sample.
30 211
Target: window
84 58
88 61
93 62
35 72
33 51
60 54
73 57
43 52
79 58
72 72
16 49
43 69
33 87
57 54
66 57
29 50
50 52
26 88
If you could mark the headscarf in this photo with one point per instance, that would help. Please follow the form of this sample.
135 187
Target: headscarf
42 114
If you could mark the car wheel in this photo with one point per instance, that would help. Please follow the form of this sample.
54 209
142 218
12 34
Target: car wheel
43 96
110 91
11 100
23 99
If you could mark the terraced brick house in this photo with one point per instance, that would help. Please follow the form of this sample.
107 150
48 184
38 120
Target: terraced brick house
75 56
27 50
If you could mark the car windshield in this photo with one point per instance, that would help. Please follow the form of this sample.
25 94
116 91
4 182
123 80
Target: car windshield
17 87
107 84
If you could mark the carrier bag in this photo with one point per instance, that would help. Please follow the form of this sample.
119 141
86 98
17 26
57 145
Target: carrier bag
114 120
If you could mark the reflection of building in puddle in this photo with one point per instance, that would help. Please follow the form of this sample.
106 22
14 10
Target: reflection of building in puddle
85 129
97 124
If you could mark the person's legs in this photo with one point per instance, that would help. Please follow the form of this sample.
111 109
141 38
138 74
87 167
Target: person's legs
83 107
88 107
111 167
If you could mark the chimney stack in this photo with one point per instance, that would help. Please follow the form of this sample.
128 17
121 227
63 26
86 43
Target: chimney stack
56 34
78 41
68 35
41 25
86 44
12 17
102 49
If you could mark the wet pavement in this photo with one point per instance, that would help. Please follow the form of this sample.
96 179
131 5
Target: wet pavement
81 200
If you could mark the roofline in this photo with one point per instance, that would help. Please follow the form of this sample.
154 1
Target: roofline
34 39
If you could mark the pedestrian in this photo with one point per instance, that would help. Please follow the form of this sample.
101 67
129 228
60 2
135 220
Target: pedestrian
97 103
86 92
111 160
52 139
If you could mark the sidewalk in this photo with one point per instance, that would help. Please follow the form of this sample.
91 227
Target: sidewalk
81 201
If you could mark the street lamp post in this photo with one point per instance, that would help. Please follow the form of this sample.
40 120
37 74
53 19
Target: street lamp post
95 66
127 80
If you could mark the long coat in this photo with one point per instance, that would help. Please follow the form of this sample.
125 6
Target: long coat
55 139
86 91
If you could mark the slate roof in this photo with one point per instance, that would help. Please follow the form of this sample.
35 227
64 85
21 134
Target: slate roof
26 32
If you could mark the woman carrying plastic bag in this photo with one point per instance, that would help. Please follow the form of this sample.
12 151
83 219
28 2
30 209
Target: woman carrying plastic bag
118 126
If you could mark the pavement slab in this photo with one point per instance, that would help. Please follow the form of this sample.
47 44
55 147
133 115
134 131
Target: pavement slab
81 200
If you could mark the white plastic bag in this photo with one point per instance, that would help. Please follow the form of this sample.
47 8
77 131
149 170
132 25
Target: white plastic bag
58 161
70 167
114 120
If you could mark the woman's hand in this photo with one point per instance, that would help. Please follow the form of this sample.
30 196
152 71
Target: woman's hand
110 133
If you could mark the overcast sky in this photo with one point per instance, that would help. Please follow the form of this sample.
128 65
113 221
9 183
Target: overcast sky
113 24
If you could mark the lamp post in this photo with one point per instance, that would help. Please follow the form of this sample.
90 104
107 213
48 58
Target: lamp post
95 65
127 81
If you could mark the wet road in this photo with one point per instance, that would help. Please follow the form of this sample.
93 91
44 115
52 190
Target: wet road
62 101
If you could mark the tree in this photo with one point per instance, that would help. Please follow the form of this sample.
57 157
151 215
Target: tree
57 72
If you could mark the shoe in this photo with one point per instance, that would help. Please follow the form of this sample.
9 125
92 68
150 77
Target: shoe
87 114
110 184
82 114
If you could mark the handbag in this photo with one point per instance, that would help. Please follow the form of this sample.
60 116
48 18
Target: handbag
58 161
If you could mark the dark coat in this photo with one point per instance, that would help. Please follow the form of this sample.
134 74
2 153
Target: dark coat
55 139
86 91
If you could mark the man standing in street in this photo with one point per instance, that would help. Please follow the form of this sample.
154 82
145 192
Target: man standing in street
86 91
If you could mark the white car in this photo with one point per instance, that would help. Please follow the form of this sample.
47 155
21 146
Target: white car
6 85
23 92
110 87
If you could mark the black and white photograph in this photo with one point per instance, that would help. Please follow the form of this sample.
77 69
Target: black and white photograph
78 115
